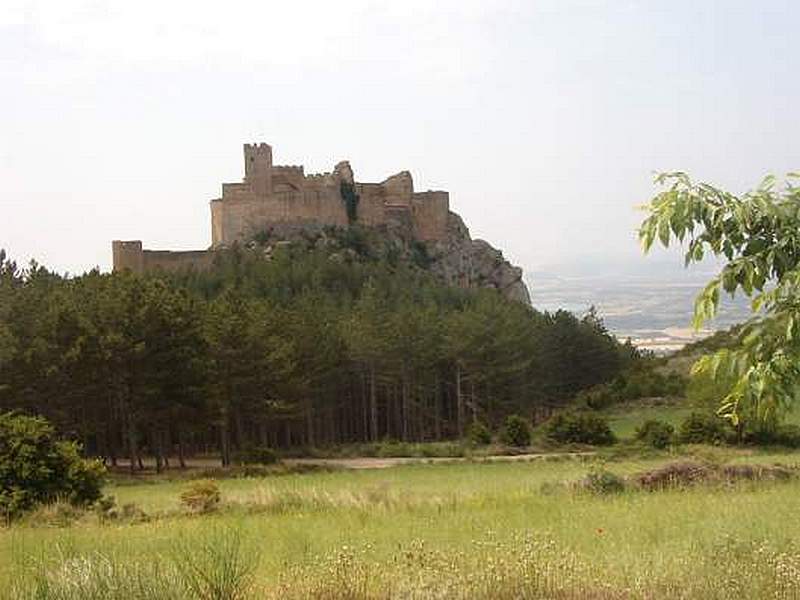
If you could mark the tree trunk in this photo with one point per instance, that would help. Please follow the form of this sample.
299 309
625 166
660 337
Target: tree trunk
133 451
155 437
181 450
373 405
405 407
459 402
310 424
437 409
473 402
224 439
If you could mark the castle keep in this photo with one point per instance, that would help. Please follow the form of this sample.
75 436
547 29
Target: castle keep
276 195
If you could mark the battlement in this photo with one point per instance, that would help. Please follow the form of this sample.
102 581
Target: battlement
319 176
262 148
288 170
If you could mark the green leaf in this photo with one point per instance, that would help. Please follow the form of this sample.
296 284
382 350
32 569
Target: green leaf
663 231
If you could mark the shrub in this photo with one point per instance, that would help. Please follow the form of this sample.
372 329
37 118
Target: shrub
603 482
201 496
37 468
479 434
579 428
517 432
657 434
256 455
598 397
674 475
53 514
702 428
781 435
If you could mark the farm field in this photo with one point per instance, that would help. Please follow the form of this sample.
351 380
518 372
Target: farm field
459 530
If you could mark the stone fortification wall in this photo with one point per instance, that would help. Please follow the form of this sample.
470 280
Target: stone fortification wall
429 213
280 194
275 198
129 255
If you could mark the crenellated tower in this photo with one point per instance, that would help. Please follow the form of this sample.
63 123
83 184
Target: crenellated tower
258 168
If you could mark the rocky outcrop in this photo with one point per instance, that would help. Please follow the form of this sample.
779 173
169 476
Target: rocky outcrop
457 260
461 261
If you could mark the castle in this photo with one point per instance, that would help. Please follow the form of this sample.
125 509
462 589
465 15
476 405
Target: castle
279 195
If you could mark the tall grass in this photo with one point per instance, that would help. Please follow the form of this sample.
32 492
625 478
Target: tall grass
216 566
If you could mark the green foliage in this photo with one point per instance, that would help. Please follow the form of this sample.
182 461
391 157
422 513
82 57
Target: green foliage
350 199
479 435
257 455
579 428
357 239
36 468
787 436
601 481
644 381
657 434
296 351
420 255
221 567
758 236
516 431
262 237
703 428
573 354
201 496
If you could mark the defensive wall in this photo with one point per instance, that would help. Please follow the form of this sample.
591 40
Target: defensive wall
284 194
129 255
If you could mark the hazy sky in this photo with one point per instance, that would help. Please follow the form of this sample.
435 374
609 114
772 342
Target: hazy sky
544 119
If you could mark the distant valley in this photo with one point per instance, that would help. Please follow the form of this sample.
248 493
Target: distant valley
651 304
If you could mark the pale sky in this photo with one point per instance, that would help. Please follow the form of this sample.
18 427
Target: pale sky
544 119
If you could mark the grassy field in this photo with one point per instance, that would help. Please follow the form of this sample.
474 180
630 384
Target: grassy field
455 530
624 419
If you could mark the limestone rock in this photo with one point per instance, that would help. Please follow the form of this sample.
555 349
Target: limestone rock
461 261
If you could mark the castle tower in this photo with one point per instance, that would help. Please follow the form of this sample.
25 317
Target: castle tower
258 168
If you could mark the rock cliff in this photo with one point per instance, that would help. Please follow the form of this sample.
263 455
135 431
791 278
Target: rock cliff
456 260
460 260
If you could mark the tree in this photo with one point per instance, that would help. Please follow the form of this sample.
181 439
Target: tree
35 467
757 236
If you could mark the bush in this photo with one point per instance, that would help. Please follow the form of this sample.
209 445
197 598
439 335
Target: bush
37 468
201 496
657 434
781 435
603 482
598 397
256 455
579 428
517 432
674 475
479 434
703 428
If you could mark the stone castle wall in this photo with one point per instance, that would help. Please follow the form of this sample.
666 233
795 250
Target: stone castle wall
272 195
278 194
131 256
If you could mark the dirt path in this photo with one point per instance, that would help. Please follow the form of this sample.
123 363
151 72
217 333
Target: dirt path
383 463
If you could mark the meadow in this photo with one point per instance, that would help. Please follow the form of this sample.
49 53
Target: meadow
460 530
